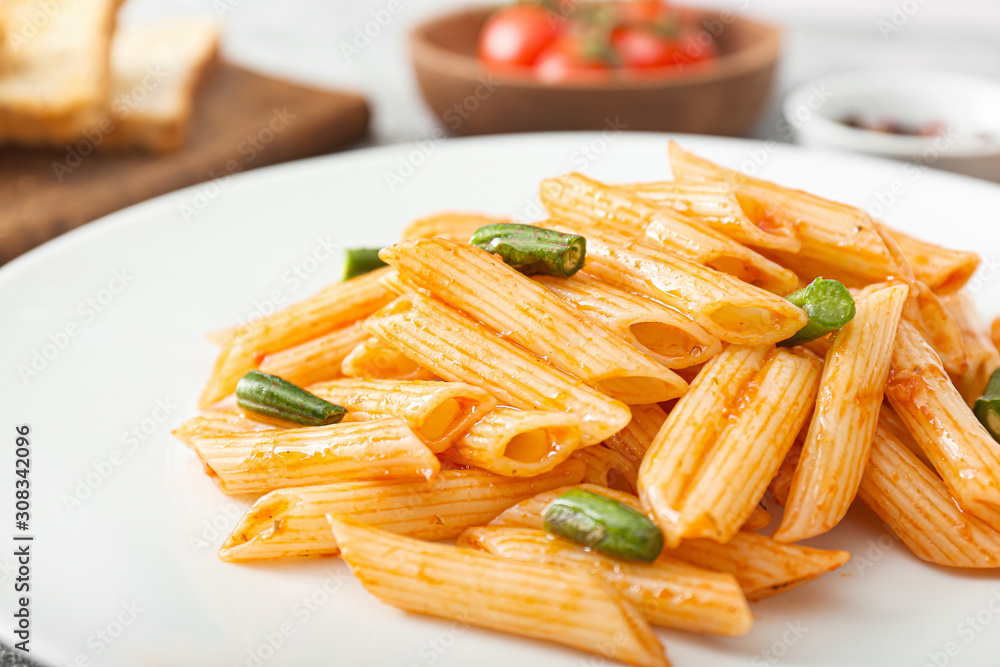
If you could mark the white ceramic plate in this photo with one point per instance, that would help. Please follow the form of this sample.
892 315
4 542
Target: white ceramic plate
126 525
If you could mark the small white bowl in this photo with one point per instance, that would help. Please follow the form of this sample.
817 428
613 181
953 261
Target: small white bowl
967 106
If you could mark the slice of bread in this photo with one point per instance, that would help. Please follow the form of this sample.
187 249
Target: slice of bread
156 71
55 76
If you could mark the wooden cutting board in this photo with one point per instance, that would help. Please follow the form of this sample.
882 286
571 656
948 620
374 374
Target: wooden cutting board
241 121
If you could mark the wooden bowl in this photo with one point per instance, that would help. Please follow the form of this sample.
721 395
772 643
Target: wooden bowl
724 97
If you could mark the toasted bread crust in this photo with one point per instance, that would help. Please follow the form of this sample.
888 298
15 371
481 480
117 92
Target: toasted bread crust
57 74
67 76
159 125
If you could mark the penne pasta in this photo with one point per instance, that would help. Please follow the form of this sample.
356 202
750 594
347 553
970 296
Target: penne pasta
530 513
781 483
292 522
962 451
259 461
835 450
459 349
925 310
917 507
218 423
223 337
942 269
394 283
717 206
632 441
438 412
518 443
665 334
606 467
982 353
725 307
485 398
374 359
593 207
837 241
721 445
759 518
762 566
473 281
315 360
821 346
939 328
888 419
331 308
453 226
668 592
556 604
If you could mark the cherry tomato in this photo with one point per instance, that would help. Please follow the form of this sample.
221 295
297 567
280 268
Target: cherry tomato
630 34
638 48
642 48
643 11
516 35
566 60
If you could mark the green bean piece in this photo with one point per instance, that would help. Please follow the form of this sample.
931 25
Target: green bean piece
533 250
272 397
360 261
829 306
604 525
987 406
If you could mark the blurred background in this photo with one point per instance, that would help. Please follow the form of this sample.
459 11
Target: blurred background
302 39
269 82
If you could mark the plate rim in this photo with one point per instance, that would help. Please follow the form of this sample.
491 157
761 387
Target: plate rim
132 215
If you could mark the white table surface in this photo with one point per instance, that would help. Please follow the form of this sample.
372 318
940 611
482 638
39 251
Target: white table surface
302 40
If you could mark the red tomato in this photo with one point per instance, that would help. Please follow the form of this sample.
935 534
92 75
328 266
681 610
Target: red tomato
639 48
643 11
516 35
642 48
565 60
